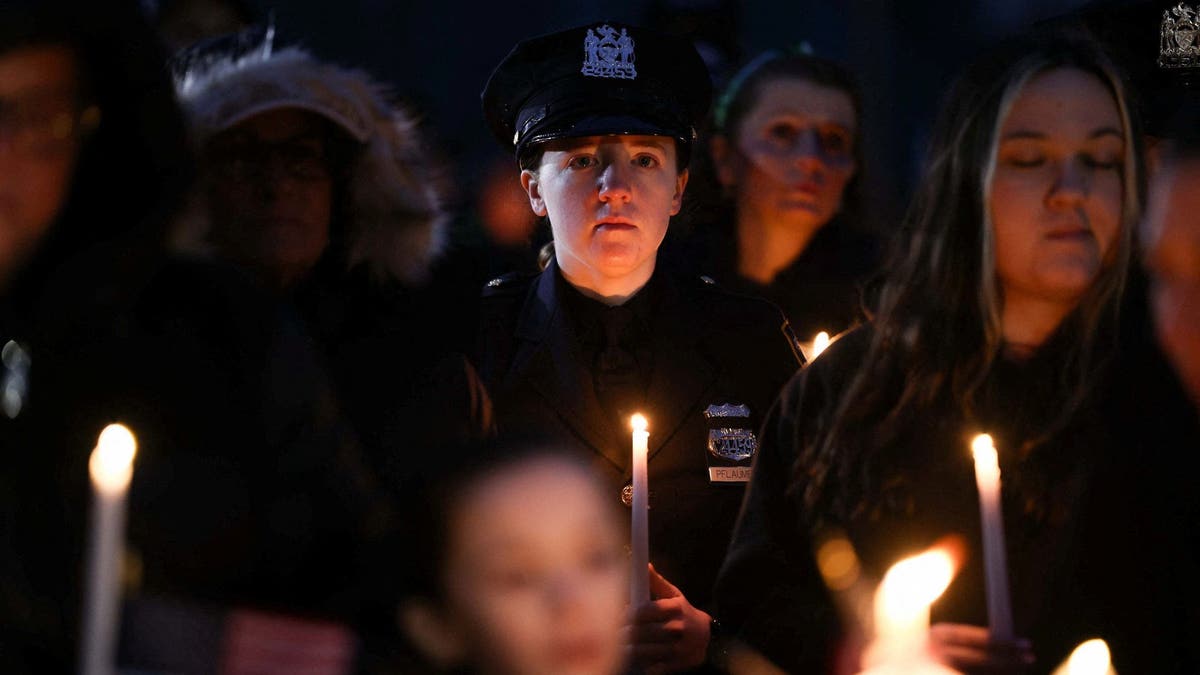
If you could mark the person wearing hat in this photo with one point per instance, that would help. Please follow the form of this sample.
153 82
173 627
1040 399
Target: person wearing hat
244 490
307 163
320 184
323 187
601 119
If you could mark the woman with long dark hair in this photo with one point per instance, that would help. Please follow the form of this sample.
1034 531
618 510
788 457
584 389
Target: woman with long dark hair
998 313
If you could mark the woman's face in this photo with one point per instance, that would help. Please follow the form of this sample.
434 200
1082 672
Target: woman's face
792 154
270 193
609 200
39 143
1056 193
536 578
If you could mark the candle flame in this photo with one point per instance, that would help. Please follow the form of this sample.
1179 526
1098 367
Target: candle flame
912 584
1090 658
820 342
902 610
983 450
638 422
111 463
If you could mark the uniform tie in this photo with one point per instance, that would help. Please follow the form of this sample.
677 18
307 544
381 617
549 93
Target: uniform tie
618 384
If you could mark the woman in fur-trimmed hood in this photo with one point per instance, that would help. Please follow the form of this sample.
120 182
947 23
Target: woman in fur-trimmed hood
307 164
321 186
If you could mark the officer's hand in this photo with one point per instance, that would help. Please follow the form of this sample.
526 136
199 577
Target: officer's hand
969 649
667 633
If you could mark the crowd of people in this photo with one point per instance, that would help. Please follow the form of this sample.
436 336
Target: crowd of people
369 445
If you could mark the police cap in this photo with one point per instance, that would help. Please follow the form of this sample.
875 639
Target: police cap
598 79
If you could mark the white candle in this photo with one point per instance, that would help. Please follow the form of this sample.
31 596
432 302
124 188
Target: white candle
995 565
111 468
639 589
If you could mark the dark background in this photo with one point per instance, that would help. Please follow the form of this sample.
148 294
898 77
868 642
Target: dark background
438 55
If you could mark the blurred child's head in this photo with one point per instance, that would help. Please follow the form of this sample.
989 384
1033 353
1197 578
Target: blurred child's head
517 565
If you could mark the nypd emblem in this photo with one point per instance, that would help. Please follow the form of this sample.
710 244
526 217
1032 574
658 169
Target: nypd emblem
609 54
733 444
1179 38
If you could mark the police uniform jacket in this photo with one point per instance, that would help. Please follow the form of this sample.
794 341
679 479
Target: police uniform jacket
706 347
1095 529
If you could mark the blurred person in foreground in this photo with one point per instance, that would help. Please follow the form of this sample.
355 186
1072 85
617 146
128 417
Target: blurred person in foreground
246 489
516 564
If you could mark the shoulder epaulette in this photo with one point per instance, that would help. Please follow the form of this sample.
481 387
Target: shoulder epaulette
506 284
707 282
794 342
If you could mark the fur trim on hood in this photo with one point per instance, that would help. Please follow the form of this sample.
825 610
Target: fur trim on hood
396 222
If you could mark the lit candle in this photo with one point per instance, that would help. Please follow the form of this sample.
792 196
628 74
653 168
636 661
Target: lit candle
819 343
639 590
902 610
111 468
1089 658
995 565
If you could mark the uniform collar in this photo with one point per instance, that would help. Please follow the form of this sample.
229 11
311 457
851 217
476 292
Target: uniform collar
583 313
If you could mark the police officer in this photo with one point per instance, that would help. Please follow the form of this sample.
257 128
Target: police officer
601 119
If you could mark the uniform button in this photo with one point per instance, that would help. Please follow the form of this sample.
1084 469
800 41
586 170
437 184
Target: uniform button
627 496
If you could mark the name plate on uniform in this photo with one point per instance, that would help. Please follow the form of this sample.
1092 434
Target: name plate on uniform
729 474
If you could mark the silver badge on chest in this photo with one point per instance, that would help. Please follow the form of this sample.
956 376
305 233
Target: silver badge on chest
731 442
609 54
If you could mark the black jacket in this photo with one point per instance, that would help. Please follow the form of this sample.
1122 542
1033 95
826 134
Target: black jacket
1105 554
708 347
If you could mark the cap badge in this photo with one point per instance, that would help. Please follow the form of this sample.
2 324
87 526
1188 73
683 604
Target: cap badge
609 54
1178 46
